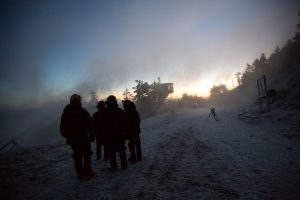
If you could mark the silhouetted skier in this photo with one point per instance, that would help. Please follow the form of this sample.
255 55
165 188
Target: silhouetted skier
76 127
99 120
116 127
133 131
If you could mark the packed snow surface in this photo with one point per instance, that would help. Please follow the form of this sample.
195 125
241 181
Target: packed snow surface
184 157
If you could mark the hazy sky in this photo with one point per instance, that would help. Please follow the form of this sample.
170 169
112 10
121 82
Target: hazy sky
50 49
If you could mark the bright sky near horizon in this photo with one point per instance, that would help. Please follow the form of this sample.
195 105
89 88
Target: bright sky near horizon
50 49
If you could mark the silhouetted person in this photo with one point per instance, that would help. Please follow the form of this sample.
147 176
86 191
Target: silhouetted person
133 131
116 125
76 127
99 120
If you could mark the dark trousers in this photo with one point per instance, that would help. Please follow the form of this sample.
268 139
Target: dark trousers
82 158
135 148
113 149
99 145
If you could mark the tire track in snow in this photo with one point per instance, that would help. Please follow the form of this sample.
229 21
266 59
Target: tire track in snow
182 168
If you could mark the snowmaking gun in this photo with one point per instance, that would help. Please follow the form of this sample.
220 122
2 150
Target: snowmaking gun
212 113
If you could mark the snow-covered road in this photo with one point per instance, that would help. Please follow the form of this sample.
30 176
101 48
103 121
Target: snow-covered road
184 157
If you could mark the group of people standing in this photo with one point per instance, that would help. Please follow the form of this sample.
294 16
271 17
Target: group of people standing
110 125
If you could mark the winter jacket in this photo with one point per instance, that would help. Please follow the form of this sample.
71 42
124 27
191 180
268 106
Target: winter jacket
76 125
116 125
100 124
133 118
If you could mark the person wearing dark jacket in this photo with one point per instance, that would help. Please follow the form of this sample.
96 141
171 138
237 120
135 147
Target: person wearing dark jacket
116 127
76 127
134 131
99 120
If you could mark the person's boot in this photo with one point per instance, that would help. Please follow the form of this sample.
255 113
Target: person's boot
132 157
113 162
123 160
88 168
79 167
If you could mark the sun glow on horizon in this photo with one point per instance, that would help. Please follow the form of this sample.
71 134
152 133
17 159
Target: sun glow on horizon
202 87
199 88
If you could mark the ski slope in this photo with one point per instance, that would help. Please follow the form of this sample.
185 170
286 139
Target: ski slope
184 157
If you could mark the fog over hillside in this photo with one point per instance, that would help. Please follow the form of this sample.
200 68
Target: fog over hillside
210 127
